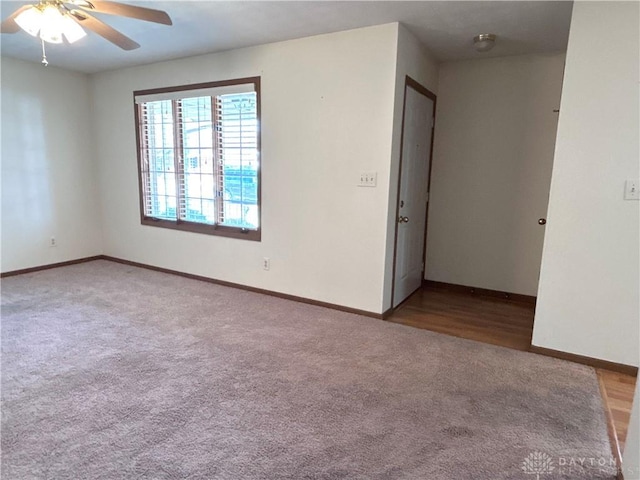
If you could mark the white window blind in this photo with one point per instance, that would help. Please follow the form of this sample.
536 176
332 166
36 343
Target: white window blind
237 151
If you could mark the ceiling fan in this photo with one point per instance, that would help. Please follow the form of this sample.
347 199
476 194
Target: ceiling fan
51 20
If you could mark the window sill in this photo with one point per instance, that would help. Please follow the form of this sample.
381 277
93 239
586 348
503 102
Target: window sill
219 230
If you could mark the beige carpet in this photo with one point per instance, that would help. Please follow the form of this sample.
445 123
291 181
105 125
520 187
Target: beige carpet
115 372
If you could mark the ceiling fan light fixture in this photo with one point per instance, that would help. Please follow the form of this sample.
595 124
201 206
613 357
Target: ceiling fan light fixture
484 42
71 30
52 24
30 20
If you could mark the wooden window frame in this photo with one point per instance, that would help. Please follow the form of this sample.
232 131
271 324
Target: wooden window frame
195 227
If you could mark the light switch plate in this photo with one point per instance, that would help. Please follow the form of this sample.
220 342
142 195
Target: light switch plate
632 189
368 179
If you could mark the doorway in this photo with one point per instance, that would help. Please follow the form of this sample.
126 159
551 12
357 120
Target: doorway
418 120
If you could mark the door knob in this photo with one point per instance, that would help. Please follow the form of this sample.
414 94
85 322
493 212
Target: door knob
542 221
402 219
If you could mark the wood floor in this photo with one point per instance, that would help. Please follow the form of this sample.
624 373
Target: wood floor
508 324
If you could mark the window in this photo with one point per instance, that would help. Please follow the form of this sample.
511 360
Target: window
199 157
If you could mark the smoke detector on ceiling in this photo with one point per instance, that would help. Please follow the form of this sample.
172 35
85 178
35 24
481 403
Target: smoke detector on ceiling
484 42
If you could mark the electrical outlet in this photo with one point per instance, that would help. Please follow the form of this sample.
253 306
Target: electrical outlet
368 179
632 189
266 263
52 242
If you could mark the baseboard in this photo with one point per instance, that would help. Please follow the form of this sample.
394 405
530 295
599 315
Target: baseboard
224 283
590 361
483 292
50 265
387 313
285 296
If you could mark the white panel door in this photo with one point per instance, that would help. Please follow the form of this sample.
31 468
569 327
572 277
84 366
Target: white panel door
414 181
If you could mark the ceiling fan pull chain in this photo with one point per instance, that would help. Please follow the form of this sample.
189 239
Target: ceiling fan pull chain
44 54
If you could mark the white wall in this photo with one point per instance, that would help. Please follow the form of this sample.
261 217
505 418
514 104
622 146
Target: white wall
631 453
327 112
493 153
589 296
418 63
49 186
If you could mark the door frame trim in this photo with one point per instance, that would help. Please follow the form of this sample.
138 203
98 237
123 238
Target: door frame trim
421 89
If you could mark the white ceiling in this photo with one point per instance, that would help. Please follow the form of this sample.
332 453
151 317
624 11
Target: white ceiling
445 27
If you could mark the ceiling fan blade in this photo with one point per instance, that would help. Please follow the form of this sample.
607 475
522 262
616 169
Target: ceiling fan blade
87 21
131 11
9 24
